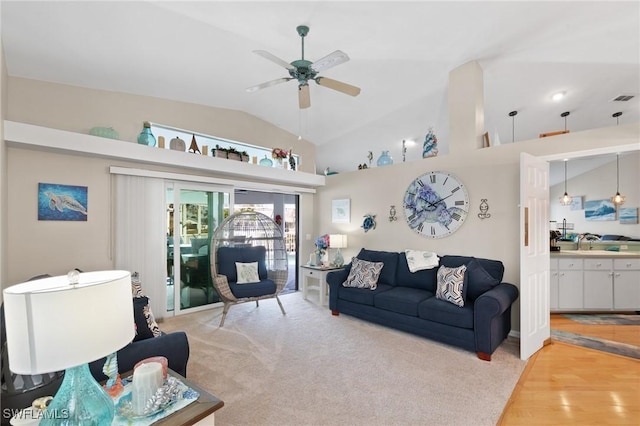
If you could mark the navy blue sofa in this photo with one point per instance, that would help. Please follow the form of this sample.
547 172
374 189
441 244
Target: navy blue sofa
406 301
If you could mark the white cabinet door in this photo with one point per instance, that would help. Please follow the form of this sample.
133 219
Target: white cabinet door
570 289
598 283
626 290
598 290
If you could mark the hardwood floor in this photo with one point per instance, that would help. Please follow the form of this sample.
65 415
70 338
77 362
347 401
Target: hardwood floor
565 384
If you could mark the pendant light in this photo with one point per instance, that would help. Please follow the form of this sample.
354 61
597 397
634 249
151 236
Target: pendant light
513 114
618 199
565 115
565 200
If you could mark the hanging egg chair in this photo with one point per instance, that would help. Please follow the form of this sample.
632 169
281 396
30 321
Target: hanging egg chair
248 260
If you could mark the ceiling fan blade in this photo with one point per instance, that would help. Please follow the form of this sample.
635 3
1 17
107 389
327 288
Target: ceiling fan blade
338 85
274 59
268 84
304 99
331 60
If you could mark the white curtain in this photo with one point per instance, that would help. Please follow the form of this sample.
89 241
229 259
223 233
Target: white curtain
140 235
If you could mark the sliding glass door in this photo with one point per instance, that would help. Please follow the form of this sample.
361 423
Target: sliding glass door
193 213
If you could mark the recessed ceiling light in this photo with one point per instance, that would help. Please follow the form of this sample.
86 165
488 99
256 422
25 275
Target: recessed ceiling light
557 96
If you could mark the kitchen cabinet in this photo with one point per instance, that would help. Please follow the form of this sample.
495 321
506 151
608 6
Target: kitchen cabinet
570 283
598 283
626 284
594 283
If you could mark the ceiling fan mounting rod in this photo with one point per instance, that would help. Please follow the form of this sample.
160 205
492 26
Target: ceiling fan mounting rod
303 30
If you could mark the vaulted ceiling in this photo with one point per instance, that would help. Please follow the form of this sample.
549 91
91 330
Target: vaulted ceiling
400 53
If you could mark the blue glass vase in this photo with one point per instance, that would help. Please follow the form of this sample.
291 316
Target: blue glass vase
80 401
146 137
385 159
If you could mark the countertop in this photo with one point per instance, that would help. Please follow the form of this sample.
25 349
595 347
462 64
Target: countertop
596 253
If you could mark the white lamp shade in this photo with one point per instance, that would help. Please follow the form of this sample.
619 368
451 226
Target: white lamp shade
337 241
52 325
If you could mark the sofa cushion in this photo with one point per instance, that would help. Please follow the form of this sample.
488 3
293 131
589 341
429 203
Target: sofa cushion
403 300
443 312
450 284
390 260
478 280
226 258
247 272
363 274
425 279
262 288
360 295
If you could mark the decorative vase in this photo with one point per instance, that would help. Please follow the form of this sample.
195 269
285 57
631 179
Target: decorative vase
146 137
319 255
385 159
104 132
279 163
338 260
177 144
266 162
429 146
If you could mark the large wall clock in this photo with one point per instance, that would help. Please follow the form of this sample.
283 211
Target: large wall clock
436 204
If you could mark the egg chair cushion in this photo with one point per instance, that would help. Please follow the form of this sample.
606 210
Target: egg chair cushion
263 288
227 257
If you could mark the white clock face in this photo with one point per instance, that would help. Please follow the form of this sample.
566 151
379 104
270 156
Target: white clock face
436 204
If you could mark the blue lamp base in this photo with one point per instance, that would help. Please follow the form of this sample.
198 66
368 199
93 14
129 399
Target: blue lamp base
79 401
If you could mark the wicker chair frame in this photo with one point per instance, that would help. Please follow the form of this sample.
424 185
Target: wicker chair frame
247 229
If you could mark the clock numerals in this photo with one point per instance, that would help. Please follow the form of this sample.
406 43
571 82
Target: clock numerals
459 203
455 216
457 188
420 227
432 179
433 230
420 183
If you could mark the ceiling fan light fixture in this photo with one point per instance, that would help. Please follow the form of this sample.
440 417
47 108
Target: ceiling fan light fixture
303 70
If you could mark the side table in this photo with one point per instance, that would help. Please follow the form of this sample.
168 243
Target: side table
199 412
319 273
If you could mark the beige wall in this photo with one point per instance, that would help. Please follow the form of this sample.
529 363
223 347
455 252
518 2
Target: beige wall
491 173
55 247
600 184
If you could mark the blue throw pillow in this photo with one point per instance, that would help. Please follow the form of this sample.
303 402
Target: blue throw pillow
477 280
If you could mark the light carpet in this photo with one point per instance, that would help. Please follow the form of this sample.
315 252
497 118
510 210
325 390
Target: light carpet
311 368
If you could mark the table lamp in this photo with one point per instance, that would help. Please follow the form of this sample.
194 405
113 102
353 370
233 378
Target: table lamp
338 241
65 322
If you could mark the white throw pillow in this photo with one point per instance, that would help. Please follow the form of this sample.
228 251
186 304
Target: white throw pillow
419 260
451 284
247 273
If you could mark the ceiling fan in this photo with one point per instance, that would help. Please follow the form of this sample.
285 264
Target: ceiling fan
303 71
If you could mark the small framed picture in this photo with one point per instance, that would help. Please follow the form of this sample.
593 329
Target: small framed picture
341 211
576 203
628 215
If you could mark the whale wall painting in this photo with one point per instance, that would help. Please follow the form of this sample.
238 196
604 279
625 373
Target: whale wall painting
62 202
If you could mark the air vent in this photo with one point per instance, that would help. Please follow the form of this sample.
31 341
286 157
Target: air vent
622 98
